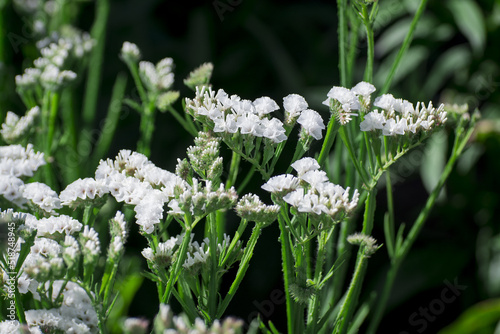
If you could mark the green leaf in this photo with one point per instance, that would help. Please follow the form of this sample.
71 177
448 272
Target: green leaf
480 318
434 161
470 20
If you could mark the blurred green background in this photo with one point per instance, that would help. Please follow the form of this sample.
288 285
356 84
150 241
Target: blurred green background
275 48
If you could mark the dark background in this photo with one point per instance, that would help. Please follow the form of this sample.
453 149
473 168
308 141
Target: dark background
275 48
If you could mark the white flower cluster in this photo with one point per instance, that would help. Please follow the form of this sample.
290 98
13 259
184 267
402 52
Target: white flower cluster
64 48
157 78
197 200
76 314
16 162
91 246
311 192
171 324
167 323
15 128
399 117
368 242
251 208
54 226
83 191
44 260
204 156
49 70
133 179
130 52
119 234
197 254
342 100
42 196
230 114
294 104
312 124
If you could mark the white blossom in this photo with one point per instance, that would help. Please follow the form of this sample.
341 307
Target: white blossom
42 196
312 123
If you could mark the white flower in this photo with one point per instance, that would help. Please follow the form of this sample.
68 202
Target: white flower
226 125
82 190
15 128
42 196
372 121
149 211
386 102
12 189
273 129
345 97
315 178
364 89
312 123
52 225
18 161
294 104
130 51
393 127
305 165
284 182
265 105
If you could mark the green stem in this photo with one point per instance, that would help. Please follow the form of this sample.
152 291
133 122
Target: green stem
348 145
389 229
349 305
96 59
286 256
147 128
314 304
370 55
176 270
406 44
245 261
341 13
353 46
402 252
331 132
214 280
54 105
111 121
233 170
234 241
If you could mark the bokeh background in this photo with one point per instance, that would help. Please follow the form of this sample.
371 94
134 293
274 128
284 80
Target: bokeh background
274 48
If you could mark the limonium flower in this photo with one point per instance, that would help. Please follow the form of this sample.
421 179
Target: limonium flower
368 242
15 128
130 52
400 117
75 315
312 123
251 208
314 194
157 78
305 165
342 101
18 161
82 192
42 196
281 184
230 114
54 226
200 76
294 104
